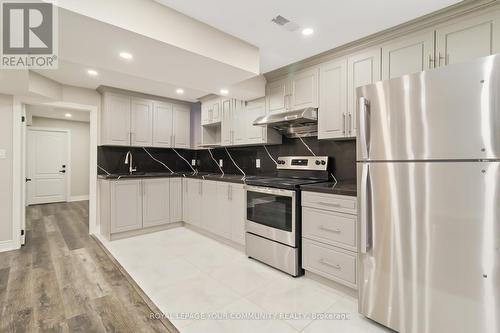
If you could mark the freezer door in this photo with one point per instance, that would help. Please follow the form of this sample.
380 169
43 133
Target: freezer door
430 251
447 113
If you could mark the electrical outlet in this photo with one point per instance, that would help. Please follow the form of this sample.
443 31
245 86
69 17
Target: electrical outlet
220 163
193 162
257 163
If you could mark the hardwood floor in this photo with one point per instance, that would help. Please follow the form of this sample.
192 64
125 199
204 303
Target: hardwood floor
63 281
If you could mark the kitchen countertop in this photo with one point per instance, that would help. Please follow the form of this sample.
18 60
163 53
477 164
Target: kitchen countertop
341 188
230 178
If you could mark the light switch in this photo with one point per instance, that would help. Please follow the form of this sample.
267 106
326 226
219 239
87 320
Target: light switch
2 154
220 163
257 163
193 162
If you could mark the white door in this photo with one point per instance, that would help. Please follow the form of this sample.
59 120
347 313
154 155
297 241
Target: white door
333 100
181 126
156 202
362 69
142 122
467 40
162 125
277 96
47 157
304 89
410 54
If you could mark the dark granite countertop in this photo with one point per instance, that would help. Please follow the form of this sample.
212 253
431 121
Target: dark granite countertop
341 188
141 175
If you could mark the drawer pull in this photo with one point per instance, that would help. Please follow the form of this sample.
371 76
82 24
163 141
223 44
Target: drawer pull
337 231
326 263
329 204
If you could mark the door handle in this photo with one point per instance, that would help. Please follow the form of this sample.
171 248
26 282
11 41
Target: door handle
441 57
27 180
350 124
62 171
432 62
364 126
365 206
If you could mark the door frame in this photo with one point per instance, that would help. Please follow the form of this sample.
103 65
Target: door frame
68 155
19 174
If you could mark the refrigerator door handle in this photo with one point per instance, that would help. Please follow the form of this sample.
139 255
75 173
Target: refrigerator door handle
364 126
365 215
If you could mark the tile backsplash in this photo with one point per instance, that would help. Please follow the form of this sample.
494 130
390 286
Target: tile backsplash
342 157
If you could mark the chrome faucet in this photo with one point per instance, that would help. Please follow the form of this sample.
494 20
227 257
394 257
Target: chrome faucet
129 161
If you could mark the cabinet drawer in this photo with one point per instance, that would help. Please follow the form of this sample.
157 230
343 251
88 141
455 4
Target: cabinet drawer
332 202
329 227
330 262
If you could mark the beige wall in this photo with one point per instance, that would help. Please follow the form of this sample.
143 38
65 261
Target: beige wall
80 145
6 109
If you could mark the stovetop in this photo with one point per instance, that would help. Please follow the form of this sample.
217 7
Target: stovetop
281 182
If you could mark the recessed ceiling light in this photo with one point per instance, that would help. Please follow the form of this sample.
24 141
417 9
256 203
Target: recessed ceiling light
126 55
224 91
92 72
68 115
180 91
307 31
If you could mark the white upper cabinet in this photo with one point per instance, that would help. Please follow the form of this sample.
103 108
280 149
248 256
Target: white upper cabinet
228 123
115 120
142 122
249 134
181 126
277 96
332 114
408 55
362 69
304 89
468 39
156 202
211 111
162 124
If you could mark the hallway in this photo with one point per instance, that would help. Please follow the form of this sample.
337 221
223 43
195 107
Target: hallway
63 281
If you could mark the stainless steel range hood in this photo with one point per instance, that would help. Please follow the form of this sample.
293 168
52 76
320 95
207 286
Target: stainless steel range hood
303 122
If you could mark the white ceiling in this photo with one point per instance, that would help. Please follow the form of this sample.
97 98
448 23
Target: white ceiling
336 22
57 113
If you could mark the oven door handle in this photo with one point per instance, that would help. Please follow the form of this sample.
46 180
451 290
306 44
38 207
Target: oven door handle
274 191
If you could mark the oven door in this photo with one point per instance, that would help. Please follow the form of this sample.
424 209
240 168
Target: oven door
271 214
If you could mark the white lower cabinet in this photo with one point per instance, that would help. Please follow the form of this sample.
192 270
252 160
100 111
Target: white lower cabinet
176 198
194 200
125 206
156 202
209 205
329 236
230 220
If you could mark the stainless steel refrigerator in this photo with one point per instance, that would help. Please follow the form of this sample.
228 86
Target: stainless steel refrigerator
428 155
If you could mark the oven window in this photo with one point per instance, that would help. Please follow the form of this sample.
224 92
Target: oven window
270 210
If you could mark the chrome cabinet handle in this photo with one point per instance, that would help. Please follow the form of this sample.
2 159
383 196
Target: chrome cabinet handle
365 214
327 263
174 142
441 57
350 124
337 231
432 61
344 124
364 126
330 204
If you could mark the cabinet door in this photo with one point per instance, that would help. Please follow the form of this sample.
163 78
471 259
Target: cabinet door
205 108
221 224
142 122
181 126
209 205
332 112
126 205
216 111
304 89
467 39
238 210
277 96
185 200
408 55
362 69
227 105
252 134
162 125
176 195
115 125
194 201
156 202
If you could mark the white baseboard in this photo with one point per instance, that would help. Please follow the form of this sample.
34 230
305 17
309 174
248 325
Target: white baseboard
78 198
7 246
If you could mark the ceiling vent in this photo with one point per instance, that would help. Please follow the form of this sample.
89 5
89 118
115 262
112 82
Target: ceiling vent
285 23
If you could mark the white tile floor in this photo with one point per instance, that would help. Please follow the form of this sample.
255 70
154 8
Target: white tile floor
185 272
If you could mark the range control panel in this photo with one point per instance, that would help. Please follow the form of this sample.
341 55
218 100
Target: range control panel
319 163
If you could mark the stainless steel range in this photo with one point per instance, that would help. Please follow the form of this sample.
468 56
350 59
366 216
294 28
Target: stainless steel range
273 220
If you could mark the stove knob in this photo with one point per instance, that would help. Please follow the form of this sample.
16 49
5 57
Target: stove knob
323 162
318 162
